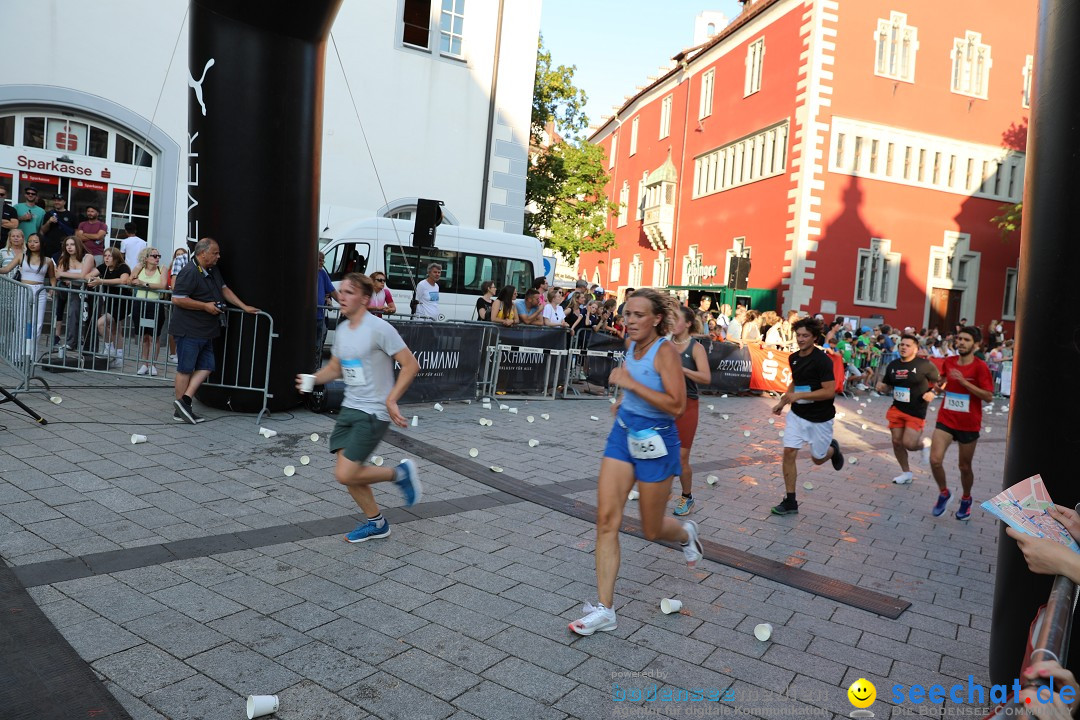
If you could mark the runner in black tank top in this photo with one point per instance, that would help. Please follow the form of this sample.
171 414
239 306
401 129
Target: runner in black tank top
695 364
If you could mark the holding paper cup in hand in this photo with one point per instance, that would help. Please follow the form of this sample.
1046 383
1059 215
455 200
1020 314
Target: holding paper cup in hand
305 383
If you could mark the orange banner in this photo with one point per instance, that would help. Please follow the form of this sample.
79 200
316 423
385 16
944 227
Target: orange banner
769 369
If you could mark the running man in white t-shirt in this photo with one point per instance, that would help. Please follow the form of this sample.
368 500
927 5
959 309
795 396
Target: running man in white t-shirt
364 352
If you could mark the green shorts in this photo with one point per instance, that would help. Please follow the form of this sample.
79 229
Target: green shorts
357 433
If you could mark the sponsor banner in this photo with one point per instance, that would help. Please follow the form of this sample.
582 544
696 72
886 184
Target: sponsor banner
598 368
521 369
88 185
729 366
770 370
450 358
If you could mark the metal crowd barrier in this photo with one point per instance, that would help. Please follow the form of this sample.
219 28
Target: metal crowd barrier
592 366
118 334
19 329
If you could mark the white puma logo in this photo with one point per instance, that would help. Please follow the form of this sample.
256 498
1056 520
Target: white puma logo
196 85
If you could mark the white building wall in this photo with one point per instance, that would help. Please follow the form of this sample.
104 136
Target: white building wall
425 116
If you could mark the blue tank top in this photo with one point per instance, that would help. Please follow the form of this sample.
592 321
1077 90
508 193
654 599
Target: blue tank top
644 371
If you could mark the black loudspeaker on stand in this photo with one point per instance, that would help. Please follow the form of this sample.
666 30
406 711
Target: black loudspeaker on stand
327 398
429 216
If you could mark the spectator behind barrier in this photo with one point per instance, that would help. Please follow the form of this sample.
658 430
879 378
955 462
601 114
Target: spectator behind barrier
553 314
503 310
381 302
574 311
529 310
324 290
36 270
540 284
426 293
751 328
486 299
11 254
735 326
179 260
147 278
74 266
110 277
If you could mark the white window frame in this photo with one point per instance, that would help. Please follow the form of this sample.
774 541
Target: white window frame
660 271
633 135
1029 77
640 212
708 82
453 13
754 157
616 271
895 46
883 265
614 149
1008 302
634 277
971 63
665 117
624 203
755 57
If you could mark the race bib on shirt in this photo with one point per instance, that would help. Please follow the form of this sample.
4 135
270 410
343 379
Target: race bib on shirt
352 372
957 402
901 394
646 444
433 296
802 389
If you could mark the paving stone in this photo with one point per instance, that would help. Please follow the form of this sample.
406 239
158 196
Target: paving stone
305 616
585 702
455 648
257 595
176 633
387 619
530 680
143 669
359 641
119 603
436 676
260 633
196 698
98 638
240 669
197 602
327 666
537 650
392 699
477 625
493 702
319 591
469 597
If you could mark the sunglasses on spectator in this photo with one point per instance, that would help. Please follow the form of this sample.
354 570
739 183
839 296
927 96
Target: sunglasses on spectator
155 255
378 279
30 192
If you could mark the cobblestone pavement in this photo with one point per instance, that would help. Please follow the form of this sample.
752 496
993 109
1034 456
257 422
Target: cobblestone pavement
190 571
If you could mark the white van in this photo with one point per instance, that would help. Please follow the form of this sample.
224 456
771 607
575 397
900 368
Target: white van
468 257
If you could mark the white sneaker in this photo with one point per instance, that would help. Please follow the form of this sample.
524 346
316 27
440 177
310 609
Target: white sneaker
172 359
597 618
861 387
903 478
153 370
142 370
925 451
117 362
692 550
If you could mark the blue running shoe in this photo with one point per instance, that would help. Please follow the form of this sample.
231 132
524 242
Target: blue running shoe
943 501
368 531
964 513
684 506
407 479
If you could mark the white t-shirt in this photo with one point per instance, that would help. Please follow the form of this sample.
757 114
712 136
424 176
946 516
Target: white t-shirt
131 247
427 299
366 356
554 313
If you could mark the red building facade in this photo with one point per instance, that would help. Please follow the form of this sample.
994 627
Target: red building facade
854 151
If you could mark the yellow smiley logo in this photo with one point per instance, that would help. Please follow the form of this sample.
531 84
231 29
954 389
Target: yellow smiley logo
862 693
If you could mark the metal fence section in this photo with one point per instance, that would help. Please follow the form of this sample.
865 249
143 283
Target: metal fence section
113 332
20 323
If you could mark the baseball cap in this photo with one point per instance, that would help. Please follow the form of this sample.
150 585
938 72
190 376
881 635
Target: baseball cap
58 196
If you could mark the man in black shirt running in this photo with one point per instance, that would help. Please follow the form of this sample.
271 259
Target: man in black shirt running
810 422
910 380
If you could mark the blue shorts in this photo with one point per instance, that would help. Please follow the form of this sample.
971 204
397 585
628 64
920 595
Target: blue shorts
649 471
194 354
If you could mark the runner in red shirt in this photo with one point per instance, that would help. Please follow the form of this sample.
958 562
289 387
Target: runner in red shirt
967 384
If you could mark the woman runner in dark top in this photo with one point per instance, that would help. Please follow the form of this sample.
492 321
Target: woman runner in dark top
695 363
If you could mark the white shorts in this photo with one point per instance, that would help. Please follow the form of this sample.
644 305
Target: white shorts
799 432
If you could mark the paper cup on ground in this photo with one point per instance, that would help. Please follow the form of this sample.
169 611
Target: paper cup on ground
546 416
746 433
503 407
512 411
267 432
808 485
593 417
487 406
712 479
473 452
137 439
530 418
711 407
376 460
485 399
438 407
304 459
763 631
668 605
724 417
772 421
634 495
307 383
314 437
290 470
56 399
415 421
259 705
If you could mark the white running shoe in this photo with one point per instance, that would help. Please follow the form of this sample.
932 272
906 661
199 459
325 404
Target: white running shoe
692 550
153 370
172 359
925 451
597 618
903 478
142 370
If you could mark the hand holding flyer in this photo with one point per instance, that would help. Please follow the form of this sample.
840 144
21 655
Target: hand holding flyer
1025 507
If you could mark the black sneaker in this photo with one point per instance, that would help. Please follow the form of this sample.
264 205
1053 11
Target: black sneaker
185 412
177 417
786 508
837 456
198 418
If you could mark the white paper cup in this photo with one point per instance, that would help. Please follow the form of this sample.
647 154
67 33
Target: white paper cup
763 631
473 452
724 417
865 426
56 399
503 407
634 495
495 468
746 433
307 384
376 460
267 432
304 459
781 433
593 417
808 485
512 411
314 437
711 407
772 421
853 461
545 416
415 420
485 399
712 479
438 407
487 406
137 439
530 418
290 470
668 606
534 443
259 705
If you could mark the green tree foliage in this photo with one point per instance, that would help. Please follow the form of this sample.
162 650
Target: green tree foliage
1008 221
565 187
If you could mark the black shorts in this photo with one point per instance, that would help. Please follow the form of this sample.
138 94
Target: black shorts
961 436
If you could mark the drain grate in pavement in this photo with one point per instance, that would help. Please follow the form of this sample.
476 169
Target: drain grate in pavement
853 595
41 675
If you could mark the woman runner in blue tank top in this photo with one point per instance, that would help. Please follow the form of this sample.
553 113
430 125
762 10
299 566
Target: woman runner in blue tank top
643 447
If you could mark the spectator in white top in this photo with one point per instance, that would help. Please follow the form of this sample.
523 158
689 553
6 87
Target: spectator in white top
554 315
734 328
427 293
131 245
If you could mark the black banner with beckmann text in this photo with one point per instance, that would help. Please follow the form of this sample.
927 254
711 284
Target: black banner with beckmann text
450 358
521 369
730 366
598 368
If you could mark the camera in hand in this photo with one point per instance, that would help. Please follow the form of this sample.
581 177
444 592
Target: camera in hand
222 318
